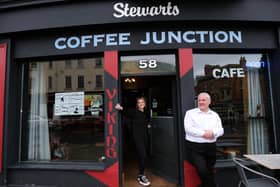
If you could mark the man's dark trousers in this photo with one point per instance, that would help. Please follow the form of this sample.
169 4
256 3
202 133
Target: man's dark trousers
203 157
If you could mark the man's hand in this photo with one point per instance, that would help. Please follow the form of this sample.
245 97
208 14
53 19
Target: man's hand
208 134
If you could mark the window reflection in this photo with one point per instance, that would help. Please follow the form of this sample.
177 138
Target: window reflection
238 86
65 111
148 64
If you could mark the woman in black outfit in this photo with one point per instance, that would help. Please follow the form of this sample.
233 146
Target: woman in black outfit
140 122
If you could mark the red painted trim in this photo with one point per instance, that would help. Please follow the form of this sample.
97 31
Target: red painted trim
111 63
191 177
109 177
185 61
3 57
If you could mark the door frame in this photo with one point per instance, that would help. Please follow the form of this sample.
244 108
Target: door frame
175 106
184 100
177 102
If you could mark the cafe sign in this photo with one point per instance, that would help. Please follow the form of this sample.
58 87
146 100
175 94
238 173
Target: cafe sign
219 73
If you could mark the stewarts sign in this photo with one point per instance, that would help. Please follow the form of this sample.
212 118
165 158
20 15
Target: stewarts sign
125 10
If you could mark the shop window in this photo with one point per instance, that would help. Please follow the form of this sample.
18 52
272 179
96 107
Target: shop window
68 82
81 83
58 124
99 81
148 64
239 86
98 63
50 84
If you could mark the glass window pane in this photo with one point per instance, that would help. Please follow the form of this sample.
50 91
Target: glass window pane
50 82
239 88
81 82
68 82
65 112
99 81
148 64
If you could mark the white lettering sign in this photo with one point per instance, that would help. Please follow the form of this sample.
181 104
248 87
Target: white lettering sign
125 10
115 39
157 38
228 73
191 37
143 64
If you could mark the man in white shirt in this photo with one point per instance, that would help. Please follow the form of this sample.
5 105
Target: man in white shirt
203 126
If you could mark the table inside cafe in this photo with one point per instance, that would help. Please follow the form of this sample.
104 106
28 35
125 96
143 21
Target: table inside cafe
270 161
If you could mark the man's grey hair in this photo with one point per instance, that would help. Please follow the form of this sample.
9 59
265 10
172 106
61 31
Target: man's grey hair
205 94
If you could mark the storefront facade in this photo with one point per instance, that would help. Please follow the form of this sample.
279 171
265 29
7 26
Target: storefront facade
64 66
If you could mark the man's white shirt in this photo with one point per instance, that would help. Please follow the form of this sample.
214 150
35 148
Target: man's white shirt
197 121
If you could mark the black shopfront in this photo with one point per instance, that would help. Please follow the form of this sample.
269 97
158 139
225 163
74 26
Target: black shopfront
66 64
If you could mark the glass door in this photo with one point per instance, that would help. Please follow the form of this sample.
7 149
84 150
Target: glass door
164 136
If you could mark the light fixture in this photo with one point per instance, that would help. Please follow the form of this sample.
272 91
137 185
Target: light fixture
130 80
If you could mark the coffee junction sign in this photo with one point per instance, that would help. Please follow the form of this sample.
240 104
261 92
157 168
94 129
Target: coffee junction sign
149 38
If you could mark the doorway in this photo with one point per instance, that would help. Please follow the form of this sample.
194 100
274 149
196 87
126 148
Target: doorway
162 167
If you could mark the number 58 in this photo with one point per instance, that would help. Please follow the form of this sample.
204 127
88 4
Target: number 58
143 64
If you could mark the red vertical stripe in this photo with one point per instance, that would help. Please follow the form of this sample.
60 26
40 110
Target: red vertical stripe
3 57
185 61
110 176
111 63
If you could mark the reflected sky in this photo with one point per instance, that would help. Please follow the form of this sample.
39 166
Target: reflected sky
200 60
170 59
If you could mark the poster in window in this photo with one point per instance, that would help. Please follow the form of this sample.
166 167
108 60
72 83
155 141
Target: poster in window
70 103
94 104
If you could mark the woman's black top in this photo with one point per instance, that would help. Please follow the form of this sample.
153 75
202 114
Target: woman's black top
139 122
